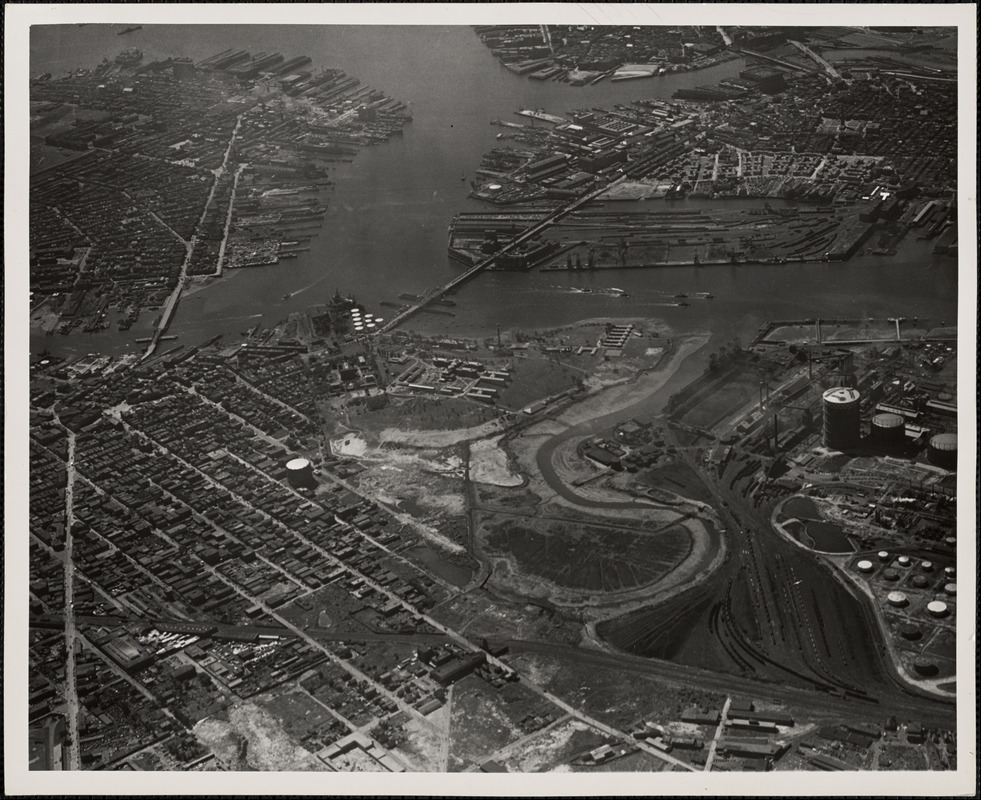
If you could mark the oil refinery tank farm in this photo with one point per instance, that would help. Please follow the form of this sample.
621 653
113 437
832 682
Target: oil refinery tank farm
842 418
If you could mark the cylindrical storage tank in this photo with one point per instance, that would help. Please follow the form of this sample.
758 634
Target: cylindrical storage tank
937 608
883 555
299 474
950 588
926 566
897 599
903 561
864 566
950 572
379 319
920 582
911 633
950 541
943 450
890 575
842 418
924 666
888 430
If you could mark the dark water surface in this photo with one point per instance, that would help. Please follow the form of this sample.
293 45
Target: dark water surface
385 232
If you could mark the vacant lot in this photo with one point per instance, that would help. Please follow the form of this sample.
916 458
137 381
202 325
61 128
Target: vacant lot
554 747
425 413
676 477
536 377
485 719
587 557
298 713
489 464
248 737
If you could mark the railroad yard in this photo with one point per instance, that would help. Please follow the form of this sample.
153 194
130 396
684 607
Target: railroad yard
337 543
692 539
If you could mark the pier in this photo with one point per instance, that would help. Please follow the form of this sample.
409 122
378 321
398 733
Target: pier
767 328
435 294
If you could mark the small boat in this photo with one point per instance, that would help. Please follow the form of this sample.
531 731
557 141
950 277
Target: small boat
682 304
287 296
681 296
130 29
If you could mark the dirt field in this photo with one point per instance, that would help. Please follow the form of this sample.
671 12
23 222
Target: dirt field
489 464
425 414
638 761
478 615
297 712
426 485
676 477
253 739
536 377
555 746
625 395
485 719
437 439
604 694
591 558
423 747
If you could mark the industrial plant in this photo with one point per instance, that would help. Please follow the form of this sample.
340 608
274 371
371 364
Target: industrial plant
343 456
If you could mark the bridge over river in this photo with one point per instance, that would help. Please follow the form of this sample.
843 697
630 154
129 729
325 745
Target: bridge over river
435 294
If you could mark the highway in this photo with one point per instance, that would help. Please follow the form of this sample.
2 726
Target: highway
433 295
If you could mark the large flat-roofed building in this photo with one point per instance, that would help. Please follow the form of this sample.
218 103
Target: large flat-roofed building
458 668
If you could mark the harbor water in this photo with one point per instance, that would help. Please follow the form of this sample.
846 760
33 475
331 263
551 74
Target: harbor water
385 231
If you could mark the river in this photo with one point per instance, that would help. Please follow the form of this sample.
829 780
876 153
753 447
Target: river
385 232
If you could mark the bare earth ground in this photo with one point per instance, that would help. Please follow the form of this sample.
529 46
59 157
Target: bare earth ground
622 396
489 464
253 739
550 749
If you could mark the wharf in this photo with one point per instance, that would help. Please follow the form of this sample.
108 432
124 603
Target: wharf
819 323
542 116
